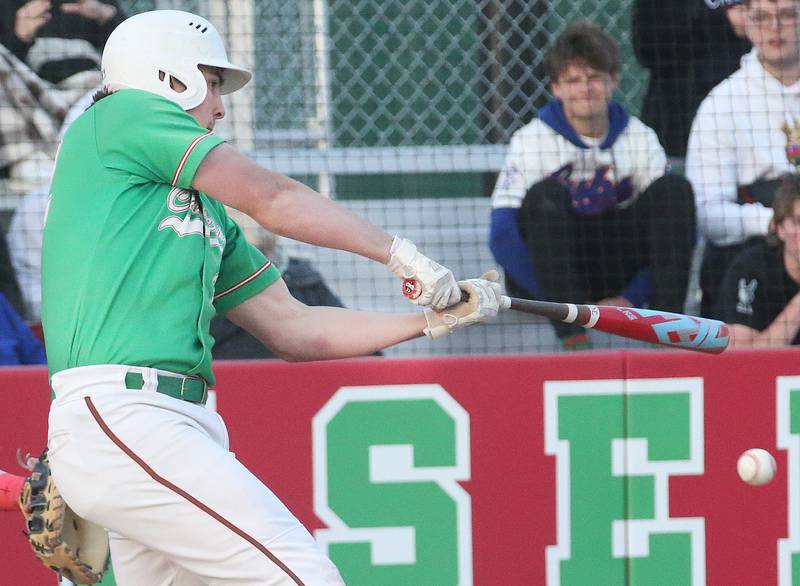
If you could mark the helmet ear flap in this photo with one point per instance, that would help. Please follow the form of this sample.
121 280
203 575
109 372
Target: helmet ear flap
196 86
185 85
174 82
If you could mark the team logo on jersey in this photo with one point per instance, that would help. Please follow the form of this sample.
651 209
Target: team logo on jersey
194 221
747 293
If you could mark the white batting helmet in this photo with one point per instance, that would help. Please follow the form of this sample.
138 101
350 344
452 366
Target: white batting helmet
146 49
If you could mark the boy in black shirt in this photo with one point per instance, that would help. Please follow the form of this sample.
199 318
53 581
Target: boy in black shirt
759 296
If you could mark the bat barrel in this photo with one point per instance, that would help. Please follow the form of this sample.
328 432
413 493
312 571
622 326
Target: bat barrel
657 327
665 328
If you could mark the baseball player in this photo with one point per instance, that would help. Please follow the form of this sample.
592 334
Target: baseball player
138 256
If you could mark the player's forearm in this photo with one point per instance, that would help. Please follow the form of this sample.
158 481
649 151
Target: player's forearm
325 333
295 331
297 212
287 207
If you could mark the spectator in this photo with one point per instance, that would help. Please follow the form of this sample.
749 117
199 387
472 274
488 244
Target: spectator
50 56
59 40
9 288
305 284
25 249
582 204
25 233
31 111
760 295
689 46
742 140
18 345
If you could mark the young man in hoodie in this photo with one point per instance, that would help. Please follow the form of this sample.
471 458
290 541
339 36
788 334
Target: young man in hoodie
743 138
583 210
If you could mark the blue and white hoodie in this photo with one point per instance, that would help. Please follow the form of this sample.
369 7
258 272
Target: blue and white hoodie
599 174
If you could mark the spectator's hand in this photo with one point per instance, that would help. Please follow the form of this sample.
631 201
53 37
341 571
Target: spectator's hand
90 9
31 16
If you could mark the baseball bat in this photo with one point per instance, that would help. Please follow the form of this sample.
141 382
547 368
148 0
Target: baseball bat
649 325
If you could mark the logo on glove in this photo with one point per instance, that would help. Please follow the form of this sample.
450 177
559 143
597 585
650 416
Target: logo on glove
411 288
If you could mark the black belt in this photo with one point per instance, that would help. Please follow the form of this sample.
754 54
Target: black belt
186 388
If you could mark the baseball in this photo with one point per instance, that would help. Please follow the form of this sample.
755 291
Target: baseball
756 466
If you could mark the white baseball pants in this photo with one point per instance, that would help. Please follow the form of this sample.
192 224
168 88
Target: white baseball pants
180 509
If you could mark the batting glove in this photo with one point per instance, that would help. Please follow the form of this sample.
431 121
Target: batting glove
481 304
425 282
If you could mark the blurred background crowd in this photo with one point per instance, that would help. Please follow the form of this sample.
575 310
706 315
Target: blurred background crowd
625 152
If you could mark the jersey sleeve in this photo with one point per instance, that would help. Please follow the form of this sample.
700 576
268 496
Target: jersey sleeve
150 138
244 272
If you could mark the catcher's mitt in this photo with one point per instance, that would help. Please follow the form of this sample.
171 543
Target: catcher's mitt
64 542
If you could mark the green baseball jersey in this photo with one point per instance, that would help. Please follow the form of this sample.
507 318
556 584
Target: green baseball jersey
134 262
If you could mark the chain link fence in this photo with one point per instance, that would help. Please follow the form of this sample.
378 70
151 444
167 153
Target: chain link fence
402 110
400 73
405 110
